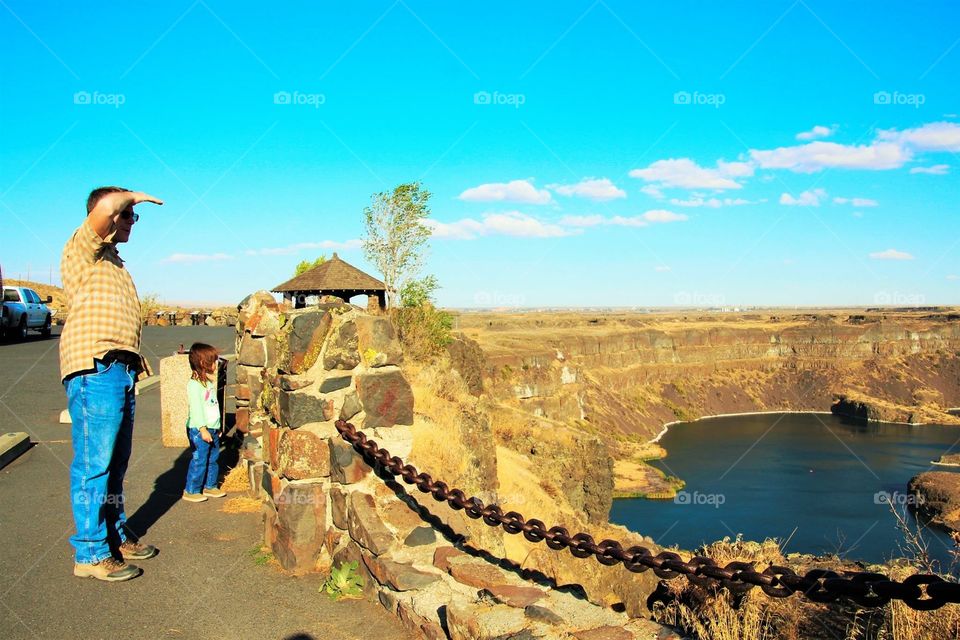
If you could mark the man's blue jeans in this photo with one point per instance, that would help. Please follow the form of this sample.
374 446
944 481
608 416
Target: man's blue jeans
203 470
101 407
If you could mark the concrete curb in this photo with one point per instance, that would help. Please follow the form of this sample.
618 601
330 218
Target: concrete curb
11 446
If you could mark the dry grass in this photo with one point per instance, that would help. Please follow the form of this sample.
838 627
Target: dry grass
241 504
907 624
717 619
236 479
436 394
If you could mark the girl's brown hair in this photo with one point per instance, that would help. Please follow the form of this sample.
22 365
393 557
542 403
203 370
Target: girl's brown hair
203 361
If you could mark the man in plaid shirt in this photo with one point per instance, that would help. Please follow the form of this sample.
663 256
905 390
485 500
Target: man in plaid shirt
100 363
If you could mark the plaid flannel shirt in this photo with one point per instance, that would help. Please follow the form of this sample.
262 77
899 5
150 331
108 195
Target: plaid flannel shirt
103 308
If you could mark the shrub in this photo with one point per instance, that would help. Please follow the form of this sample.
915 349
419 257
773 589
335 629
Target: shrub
424 330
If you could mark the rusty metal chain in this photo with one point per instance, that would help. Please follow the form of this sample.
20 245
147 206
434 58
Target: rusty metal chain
923 592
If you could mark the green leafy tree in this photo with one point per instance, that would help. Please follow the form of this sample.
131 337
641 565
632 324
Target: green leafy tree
417 292
306 265
396 234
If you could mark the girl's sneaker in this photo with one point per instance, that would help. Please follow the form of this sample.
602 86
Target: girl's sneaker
214 493
194 497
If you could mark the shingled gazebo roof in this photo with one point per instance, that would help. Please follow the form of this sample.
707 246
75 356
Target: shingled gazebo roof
332 275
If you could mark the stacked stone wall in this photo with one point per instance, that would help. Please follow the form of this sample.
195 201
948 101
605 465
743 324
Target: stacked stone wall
440 573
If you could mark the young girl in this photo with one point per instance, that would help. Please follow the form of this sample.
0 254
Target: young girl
203 425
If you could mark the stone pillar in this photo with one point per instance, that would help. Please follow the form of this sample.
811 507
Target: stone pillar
376 302
174 375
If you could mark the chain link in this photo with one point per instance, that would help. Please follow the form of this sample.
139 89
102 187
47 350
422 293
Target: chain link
923 592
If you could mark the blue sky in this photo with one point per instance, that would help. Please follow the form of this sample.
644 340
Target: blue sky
579 154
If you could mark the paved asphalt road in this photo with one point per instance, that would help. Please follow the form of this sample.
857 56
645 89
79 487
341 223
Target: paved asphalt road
203 584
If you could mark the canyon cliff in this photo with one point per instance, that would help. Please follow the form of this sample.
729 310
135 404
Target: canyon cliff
621 377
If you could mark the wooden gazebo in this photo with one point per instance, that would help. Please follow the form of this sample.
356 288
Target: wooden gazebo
334 278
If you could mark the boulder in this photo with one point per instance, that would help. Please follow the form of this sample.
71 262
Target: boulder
386 398
607 632
338 507
346 465
399 576
443 555
342 351
300 526
420 536
335 383
513 595
351 405
365 525
476 573
249 305
468 360
484 623
305 453
377 341
242 419
265 320
298 408
303 338
252 352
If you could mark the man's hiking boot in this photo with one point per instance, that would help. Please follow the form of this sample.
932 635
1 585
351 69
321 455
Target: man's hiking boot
194 497
108 569
214 493
131 550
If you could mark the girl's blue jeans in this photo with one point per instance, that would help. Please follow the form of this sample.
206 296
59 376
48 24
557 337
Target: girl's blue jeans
203 470
101 406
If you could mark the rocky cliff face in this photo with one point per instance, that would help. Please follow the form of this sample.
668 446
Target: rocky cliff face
624 377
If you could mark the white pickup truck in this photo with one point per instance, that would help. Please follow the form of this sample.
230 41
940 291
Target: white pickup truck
24 310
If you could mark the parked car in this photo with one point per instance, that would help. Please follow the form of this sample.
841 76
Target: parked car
24 310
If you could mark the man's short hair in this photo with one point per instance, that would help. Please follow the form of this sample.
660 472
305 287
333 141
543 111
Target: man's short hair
97 195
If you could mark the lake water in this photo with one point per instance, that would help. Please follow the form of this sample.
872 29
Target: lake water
818 480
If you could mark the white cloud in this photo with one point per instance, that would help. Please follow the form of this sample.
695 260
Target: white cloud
687 174
953 276
935 170
891 254
818 131
857 202
935 136
521 191
591 188
713 203
807 198
662 215
661 268
582 221
330 245
654 216
816 156
652 191
510 223
191 258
